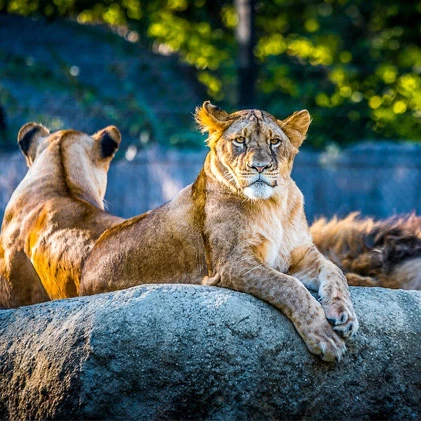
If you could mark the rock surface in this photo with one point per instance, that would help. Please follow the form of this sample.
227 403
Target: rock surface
191 352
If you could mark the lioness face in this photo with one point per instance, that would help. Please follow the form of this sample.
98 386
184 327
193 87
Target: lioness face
256 154
254 150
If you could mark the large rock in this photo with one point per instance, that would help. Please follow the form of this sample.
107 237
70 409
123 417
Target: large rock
180 352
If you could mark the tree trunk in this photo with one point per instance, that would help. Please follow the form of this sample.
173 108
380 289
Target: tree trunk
246 40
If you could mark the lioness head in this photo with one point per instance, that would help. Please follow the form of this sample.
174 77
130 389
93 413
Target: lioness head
253 150
70 160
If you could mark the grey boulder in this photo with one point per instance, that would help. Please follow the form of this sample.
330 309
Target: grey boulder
192 352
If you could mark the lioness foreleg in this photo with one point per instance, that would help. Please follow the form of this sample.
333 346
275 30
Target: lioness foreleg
290 296
321 275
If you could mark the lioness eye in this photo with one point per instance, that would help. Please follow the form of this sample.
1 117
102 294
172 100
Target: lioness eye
239 140
275 141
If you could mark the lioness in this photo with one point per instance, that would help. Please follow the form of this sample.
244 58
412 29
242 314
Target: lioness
55 214
241 225
385 253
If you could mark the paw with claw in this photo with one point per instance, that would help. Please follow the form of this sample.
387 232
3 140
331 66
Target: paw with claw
340 314
321 339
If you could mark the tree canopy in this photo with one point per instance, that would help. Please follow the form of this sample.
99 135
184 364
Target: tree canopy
355 65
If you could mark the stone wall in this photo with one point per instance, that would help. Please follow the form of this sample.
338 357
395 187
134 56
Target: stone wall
191 352
377 179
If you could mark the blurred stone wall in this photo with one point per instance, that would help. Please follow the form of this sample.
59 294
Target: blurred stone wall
377 179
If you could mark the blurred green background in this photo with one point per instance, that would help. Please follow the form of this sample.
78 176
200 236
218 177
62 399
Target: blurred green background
355 65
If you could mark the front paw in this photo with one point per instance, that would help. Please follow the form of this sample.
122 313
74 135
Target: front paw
321 340
341 315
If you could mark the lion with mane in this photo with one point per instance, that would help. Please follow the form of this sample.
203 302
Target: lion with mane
379 253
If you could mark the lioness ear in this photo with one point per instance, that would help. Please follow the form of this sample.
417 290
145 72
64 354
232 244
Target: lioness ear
296 126
213 120
109 140
29 137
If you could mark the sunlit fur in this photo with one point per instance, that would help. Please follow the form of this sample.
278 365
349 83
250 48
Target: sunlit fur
224 230
55 214
384 253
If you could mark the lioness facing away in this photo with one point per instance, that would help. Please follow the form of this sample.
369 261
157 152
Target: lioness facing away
55 214
240 225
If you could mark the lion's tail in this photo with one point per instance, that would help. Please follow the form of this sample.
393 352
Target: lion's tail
385 253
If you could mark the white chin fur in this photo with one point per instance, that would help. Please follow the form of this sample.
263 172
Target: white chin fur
258 191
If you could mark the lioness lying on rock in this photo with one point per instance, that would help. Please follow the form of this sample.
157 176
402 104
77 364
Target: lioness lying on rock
241 225
56 213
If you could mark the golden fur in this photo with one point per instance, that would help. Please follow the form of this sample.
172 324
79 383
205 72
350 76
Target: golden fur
383 253
55 214
240 225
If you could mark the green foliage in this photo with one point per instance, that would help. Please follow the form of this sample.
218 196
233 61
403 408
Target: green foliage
354 64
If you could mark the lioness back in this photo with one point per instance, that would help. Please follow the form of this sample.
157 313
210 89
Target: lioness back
55 214
168 240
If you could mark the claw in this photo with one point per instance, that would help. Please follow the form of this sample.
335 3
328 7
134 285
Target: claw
344 318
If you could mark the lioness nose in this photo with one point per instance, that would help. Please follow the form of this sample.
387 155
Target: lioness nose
260 166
